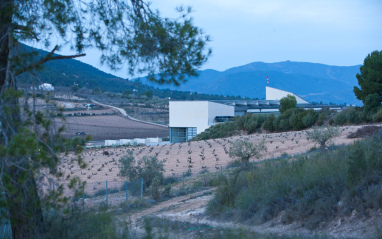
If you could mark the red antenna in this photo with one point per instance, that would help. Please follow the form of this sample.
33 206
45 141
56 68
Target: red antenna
267 81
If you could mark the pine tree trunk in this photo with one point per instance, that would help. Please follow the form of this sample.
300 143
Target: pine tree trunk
21 195
25 208
5 22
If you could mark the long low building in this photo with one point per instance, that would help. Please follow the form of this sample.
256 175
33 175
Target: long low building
189 118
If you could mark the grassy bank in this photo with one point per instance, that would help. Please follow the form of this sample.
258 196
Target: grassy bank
311 189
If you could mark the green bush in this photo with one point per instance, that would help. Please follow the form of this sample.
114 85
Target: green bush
268 124
301 119
147 168
340 118
350 115
220 130
371 103
309 190
88 224
377 117
250 122
310 118
287 103
244 150
354 116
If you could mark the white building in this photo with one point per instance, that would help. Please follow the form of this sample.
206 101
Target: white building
276 94
46 87
189 118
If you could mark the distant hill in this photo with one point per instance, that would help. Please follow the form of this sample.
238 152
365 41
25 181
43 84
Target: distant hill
69 71
314 82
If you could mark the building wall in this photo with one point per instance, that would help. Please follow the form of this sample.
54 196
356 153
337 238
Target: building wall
189 114
276 94
215 109
199 114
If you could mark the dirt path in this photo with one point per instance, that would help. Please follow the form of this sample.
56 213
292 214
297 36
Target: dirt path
191 209
183 205
123 112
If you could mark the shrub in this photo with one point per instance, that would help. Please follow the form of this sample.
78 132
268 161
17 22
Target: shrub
340 118
377 117
365 131
286 103
353 116
371 103
268 124
155 188
147 168
322 118
244 150
127 166
250 122
310 190
283 125
310 118
322 135
220 130
80 224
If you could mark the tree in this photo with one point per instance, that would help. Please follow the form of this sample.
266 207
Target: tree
96 91
127 166
127 32
371 103
322 135
244 150
75 88
286 103
370 76
148 168
149 94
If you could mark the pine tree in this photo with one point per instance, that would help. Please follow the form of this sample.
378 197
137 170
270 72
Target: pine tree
370 77
128 33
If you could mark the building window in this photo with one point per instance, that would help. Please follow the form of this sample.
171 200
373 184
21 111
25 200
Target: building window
191 132
178 135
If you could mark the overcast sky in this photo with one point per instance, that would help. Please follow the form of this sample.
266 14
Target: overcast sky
333 32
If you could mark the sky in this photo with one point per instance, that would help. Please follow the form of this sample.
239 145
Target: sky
333 32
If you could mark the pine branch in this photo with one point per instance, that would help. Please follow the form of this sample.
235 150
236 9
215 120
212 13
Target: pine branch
48 57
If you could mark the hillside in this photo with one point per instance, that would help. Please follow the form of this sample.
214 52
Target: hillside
204 162
70 71
312 81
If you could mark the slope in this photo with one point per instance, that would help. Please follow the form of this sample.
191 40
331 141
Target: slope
315 82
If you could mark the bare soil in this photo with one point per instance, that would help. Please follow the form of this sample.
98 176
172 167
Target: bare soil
191 209
211 155
104 127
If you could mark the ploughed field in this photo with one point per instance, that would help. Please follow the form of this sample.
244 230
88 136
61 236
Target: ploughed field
103 127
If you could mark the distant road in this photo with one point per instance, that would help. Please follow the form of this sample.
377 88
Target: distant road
123 112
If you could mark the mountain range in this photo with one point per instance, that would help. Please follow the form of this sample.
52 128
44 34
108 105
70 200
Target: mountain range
67 72
312 81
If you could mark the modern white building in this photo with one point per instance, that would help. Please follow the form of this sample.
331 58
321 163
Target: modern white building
276 94
189 118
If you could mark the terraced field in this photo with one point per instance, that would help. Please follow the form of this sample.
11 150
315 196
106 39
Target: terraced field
111 127
192 157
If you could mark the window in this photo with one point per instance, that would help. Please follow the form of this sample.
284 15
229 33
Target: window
191 132
178 134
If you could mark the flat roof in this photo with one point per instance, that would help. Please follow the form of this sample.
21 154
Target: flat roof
244 105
